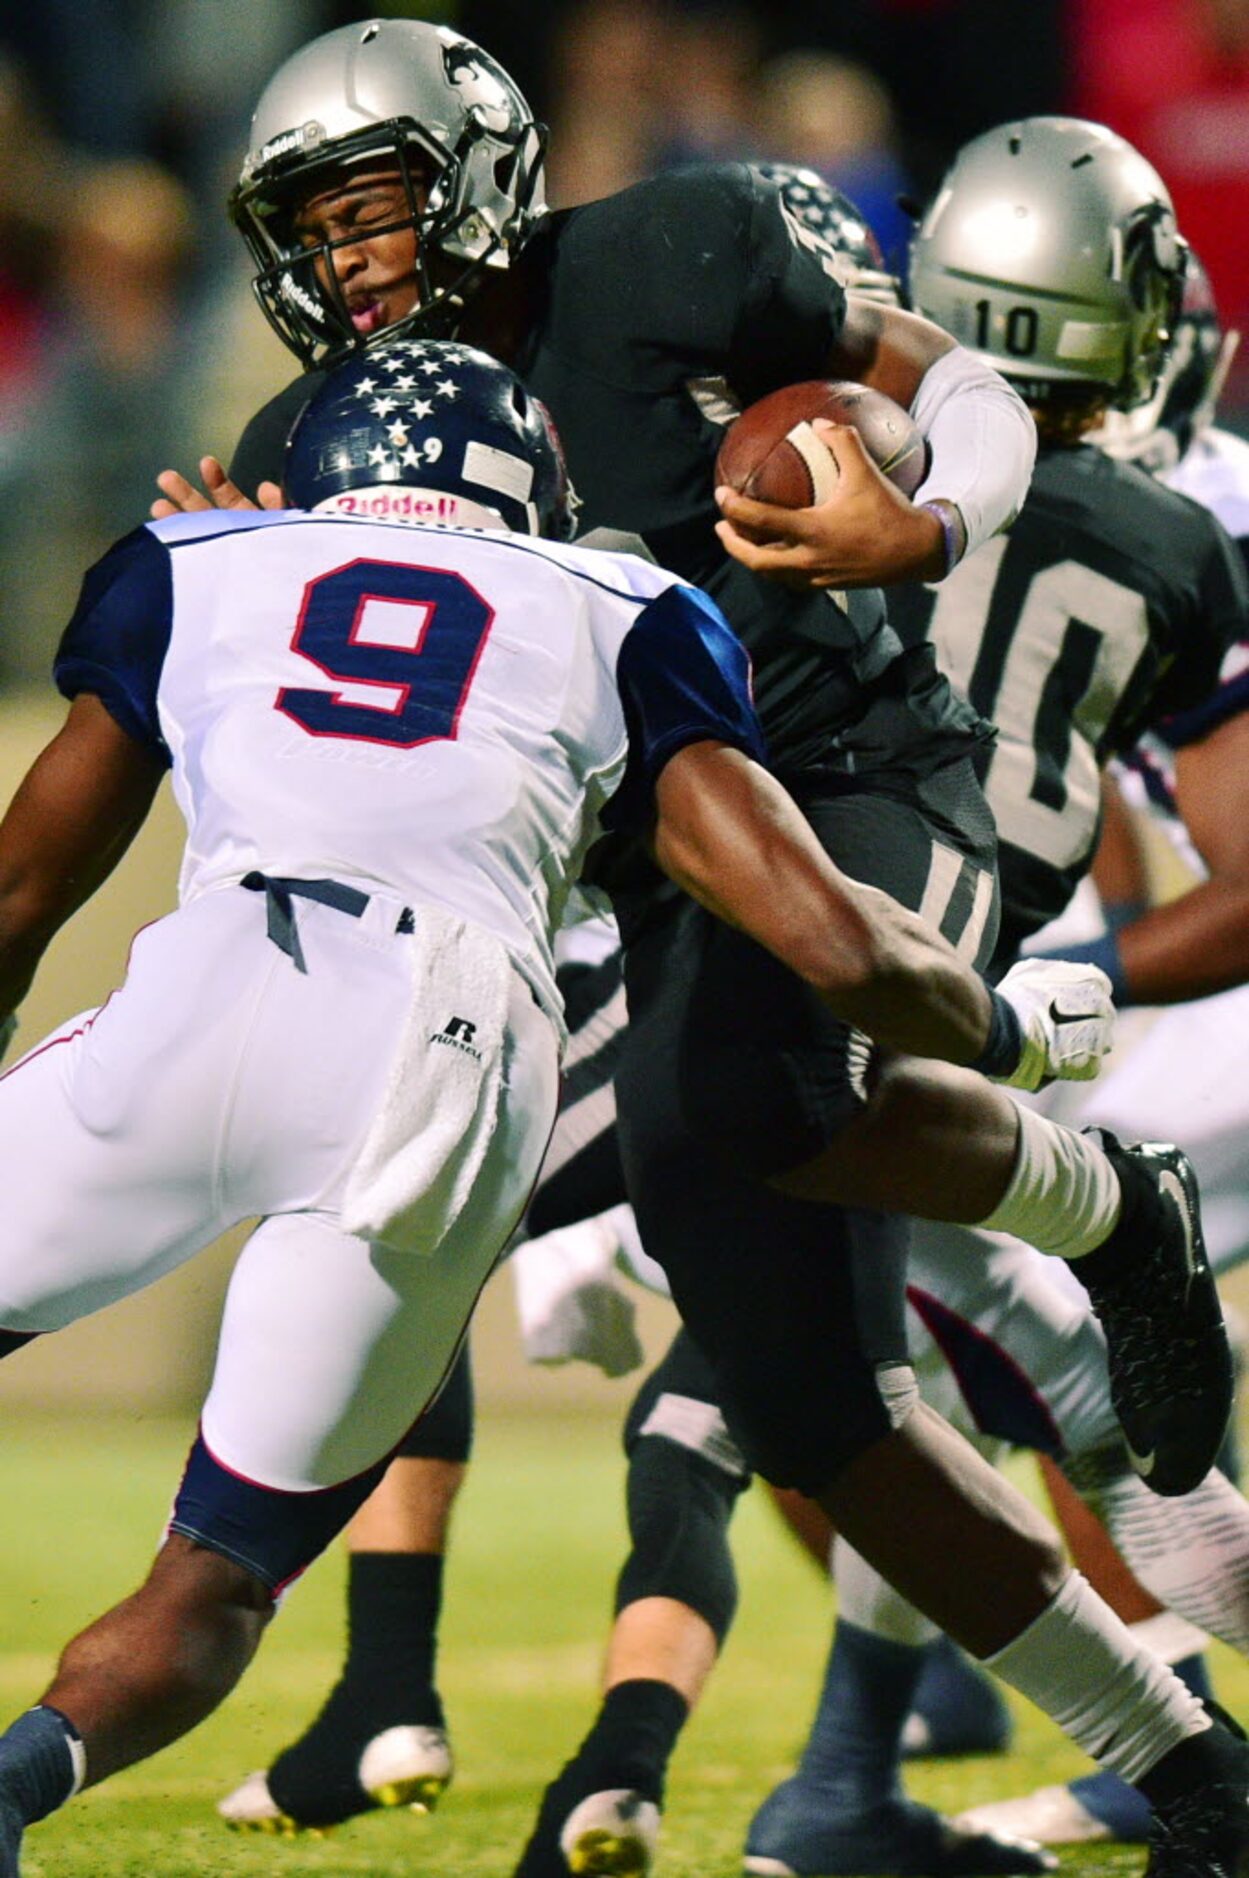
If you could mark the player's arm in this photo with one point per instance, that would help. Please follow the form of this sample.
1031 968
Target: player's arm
982 441
730 835
1199 943
77 811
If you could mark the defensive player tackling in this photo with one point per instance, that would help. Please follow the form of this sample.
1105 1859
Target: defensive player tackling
393 750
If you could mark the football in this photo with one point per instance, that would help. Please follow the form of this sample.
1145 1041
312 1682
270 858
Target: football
771 453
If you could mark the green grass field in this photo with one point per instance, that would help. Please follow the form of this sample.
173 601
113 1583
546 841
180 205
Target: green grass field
539 1539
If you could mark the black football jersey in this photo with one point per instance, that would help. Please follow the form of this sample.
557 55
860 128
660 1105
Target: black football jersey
656 311
1107 607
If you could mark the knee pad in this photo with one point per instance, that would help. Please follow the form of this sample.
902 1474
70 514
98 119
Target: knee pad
445 1430
679 1505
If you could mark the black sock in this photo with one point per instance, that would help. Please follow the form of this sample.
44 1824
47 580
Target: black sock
1197 1761
631 1743
394 1600
37 1762
393 1603
1138 1226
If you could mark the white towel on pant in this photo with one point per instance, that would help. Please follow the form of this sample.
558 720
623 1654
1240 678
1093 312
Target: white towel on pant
427 1142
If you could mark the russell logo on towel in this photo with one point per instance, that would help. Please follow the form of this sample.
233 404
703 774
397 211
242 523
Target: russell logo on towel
458 1032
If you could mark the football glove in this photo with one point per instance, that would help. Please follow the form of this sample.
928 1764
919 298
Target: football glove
1067 1016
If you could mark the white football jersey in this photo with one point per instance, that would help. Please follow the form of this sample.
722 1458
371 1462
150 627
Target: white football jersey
452 716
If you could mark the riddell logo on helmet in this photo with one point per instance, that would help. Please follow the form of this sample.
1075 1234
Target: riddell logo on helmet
305 137
402 505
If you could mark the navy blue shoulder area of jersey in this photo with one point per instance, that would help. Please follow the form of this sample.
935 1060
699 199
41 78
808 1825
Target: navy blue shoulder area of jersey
115 644
1221 705
684 677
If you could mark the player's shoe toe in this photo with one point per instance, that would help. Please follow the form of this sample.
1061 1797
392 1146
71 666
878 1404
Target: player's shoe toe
1050 1816
799 1833
613 1834
1203 1835
252 1808
1171 1373
404 1766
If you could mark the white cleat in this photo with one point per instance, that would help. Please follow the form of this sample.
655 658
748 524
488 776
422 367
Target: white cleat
252 1808
406 1766
614 1834
1051 1816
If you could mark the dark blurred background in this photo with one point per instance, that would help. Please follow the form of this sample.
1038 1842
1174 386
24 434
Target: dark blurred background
128 341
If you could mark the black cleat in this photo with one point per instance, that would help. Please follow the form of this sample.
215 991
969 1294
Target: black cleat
1171 1376
1203 1835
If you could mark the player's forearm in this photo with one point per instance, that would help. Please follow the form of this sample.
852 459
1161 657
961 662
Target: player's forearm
1189 948
983 444
733 839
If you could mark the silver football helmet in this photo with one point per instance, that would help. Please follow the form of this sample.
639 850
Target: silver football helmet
413 97
1184 402
1051 250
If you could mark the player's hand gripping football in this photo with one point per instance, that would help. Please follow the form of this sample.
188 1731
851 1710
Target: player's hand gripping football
866 534
181 497
1067 1016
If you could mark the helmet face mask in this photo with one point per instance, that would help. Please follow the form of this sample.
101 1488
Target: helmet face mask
411 99
430 432
1051 250
1183 403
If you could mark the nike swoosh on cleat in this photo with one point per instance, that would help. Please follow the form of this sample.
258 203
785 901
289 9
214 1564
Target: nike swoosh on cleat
1171 1183
1142 1463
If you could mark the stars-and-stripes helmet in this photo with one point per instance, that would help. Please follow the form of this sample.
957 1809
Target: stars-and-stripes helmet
430 432
828 213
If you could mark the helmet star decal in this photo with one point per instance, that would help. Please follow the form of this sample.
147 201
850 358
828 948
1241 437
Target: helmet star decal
478 451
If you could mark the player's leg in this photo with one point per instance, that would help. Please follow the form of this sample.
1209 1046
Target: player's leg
326 1342
840 1421
675 1600
386 1693
956 1708
774 1087
385 1705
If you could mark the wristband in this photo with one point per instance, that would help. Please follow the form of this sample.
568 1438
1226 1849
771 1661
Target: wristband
1103 952
945 513
1004 1044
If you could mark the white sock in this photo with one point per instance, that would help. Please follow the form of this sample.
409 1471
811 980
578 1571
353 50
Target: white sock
1191 1552
1114 1698
1064 1194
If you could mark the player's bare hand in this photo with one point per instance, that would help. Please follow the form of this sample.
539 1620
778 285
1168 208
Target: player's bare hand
866 534
181 497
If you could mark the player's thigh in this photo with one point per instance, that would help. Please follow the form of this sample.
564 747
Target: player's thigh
101 1196
749 1058
796 1310
1005 1345
332 1344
